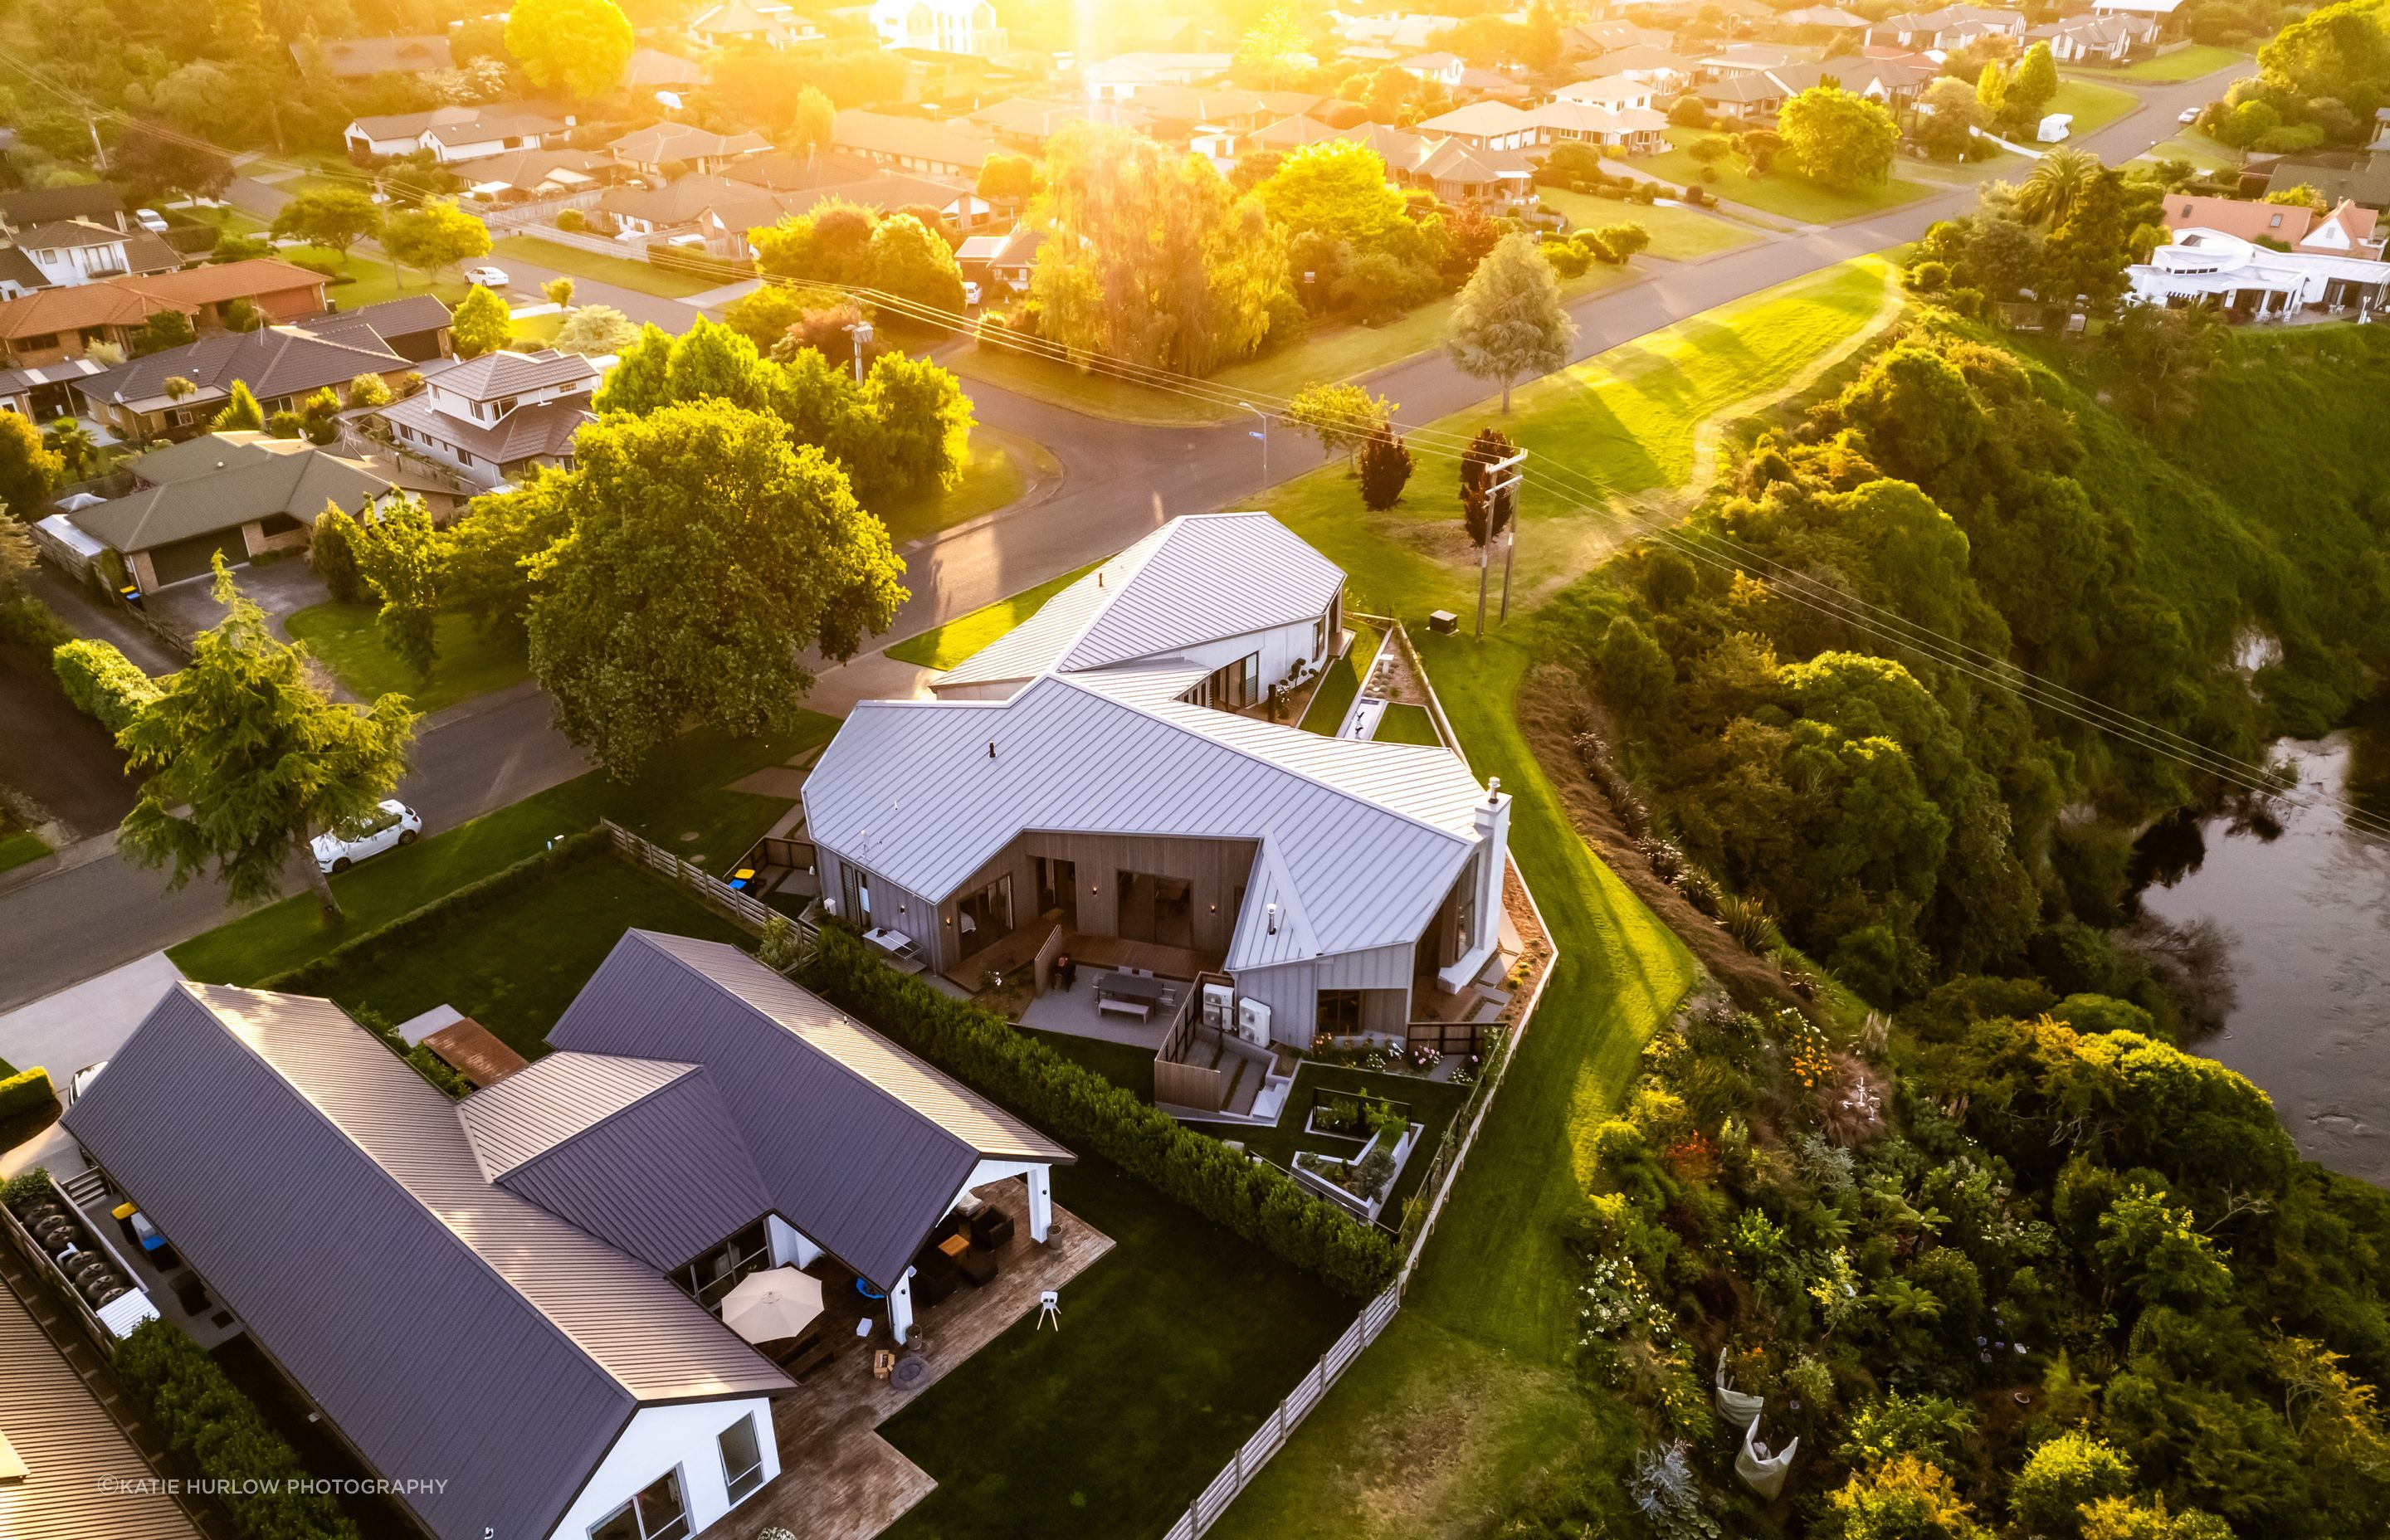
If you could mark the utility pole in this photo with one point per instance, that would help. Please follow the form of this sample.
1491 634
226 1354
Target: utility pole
861 332
1262 434
1502 507
97 149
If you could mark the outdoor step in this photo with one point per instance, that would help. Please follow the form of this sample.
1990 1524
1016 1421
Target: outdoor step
1228 1097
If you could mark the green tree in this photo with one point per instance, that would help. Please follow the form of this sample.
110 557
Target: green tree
1272 54
578 47
248 759
77 451
368 389
1949 116
2032 84
2048 192
241 412
559 291
1341 417
406 560
1905 1499
764 317
1992 90
29 468
495 547
332 552
319 412
1384 463
705 554
829 243
595 331
2086 255
434 236
912 261
484 323
164 329
1623 240
2061 1478
1838 140
922 424
2341 51
334 218
1338 189
1006 180
1509 321
1635 671
813 122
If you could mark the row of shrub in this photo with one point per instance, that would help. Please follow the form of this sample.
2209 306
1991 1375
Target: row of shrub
26 1091
102 682
205 1419
1255 1199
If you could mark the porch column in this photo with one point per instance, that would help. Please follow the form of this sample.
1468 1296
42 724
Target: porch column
1041 1203
900 1307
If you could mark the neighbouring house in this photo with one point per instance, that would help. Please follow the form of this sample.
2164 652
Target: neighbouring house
491 419
940 26
530 1280
752 23
1458 173
1668 73
243 494
1738 58
1951 27
2248 282
651 151
51 325
1825 18
2346 231
1124 77
1176 113
1601 38
415 328
1100 769
2095 39
45 392
2156 10
97 202
781 172
960 210
1617 92
1626 130
2352 176
64 252
1485 126
653 69
1401 30
283 366
456 134
656 214
931 148
527 175
1755 96
1445 69
1024 123
1004 260
362 57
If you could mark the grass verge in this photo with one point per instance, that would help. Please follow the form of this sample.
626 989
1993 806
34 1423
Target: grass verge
1407 725
1334 695
995 475
361 280
2092 105
345 639
18 848
943 646
1780 193
1679 235
622 272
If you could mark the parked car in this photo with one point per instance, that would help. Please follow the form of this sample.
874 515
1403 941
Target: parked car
487 277
687 241
150 220
2190 115
971 295
388 826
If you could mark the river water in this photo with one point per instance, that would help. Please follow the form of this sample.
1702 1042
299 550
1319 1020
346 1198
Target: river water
2306 916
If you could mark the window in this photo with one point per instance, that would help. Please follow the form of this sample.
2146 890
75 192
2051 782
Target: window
1339 1012
657 1513
718 1271
505 404
855 884
743 1457
1057 889
984 917
1230 688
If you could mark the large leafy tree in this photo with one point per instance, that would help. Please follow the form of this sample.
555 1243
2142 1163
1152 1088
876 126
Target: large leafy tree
248 759
1337 188
155 161
829 243
1838 140
577 46
1508 321
911 261
596 329
705 555
407 561
484 323
29 468
437 235
335 218
2032 84
1273 54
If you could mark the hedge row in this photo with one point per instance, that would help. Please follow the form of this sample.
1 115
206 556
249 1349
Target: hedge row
1255 1199
28 1091
204 1418
102 682
313 976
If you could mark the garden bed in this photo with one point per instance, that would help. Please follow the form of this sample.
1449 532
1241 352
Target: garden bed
1361 1183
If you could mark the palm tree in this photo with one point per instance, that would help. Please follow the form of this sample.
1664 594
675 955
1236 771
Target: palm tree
2058 179
73 443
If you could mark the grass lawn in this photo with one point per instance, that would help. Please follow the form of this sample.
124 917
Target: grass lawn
515 968
1334 695
1407 725
622 272
995 475
18 848
365 280
1176 1344
1677 234
680 801
1794 197
2094 106
538 331
945 645
1624 427
2187 63
345 637
1124 1064
2198 149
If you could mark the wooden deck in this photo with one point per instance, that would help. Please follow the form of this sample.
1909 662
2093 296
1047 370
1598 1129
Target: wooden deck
839 1479
1167 962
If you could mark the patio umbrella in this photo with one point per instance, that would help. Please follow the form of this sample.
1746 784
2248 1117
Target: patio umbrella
776 1303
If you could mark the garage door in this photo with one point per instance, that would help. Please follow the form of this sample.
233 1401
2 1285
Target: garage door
186 558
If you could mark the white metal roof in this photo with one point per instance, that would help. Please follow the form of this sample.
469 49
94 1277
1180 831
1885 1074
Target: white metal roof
1199 578
1360 841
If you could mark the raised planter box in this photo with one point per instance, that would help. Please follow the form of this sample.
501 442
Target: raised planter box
1309 1164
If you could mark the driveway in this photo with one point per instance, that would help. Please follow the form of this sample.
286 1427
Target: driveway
281 587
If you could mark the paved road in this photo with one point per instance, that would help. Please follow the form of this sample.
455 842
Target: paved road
1118 483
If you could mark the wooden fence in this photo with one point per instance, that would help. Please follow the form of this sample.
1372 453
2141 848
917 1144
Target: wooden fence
700 884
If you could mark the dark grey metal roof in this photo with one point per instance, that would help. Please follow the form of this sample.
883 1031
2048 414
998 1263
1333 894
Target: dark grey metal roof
636 1152
30 206
329 1196
860 1144
406 316
276 360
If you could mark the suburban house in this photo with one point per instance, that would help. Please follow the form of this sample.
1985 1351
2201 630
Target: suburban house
1099 770
51 325
679 207
489 419
651 151
1485 125
1617 92
940 26
531 1281
456 134
415 328
1668 73
1401 30
1824 18
98 202
1124 77
1026 122
2094 39
64 252
751 23
2346 231
1004 260
781 172
2248 282
1627 130
1737 58
921 145
1456 173
362 57
45 391
959 208
242 493
528 174
283 366
1601 38
1951 27
2156 10
653 69
2353 177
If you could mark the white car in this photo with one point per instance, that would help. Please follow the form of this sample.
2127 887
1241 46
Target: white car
388 826
487 277
2190 115
971 295
150 220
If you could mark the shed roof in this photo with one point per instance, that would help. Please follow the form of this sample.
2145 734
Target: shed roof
860 1144
442 1323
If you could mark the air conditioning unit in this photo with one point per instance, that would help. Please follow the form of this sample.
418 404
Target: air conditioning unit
1220 1006
1252 1022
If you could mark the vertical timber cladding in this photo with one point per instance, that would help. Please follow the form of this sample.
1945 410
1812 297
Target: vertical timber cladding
1214 870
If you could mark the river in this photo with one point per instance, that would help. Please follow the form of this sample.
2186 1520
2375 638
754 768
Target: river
2306 916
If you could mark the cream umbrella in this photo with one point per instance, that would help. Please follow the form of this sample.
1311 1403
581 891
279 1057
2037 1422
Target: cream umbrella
776 1303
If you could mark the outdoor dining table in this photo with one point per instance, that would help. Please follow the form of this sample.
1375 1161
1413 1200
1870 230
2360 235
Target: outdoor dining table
1130 991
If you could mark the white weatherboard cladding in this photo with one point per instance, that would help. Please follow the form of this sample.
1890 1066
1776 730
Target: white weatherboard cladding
657 1440
1368 836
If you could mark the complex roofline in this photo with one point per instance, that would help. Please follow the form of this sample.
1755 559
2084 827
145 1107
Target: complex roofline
684 1071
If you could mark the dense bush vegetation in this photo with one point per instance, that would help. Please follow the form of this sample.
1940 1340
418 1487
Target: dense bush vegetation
100 682
26 1091
1255 1199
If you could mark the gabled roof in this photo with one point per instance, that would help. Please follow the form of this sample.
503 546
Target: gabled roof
1198 104
1036 118
406 316
1456 160
482 120
352 57
659 144
1477 118
885 190
1199 578
860 1144
95 200
276 360
781 172
542 429
441 1322
508 373
959 144
652 67
529 168
240 487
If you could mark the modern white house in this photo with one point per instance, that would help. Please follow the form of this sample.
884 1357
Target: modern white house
456 134
491 418
1102 769
940 26
2249 282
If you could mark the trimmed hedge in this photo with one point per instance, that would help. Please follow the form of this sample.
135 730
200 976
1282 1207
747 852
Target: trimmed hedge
1255 1199
27 1092
311 977
103 683
206 1419
28 622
